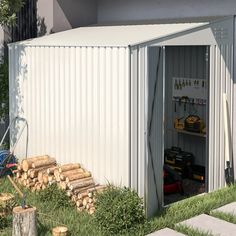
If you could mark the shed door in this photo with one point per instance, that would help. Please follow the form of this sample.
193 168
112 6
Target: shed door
155 128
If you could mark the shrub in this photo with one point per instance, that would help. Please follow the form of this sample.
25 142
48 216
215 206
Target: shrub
118 210
54 195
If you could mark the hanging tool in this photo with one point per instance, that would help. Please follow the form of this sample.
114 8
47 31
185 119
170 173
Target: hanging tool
22 195
7 158
229 175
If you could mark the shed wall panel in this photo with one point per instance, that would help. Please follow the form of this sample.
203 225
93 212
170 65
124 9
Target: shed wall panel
221 81
76 101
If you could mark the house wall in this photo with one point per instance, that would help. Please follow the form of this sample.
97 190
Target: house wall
59 15
139 10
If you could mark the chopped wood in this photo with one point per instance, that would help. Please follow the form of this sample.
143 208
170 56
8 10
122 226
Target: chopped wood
63 185
77 176
81 190
97 188
51 170
27 163
19 167
45 179
81 184
65 174
79 181
41 163
57 175
34 172
82 195
79 203
68 167
51 178
60 231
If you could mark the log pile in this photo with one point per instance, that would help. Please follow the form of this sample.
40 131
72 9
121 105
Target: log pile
37 173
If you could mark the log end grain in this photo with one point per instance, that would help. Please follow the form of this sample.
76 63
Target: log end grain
60 231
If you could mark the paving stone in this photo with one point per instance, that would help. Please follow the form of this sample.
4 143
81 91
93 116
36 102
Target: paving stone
211 225
229 209
166 232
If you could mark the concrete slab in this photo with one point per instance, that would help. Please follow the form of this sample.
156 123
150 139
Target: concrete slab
211 225
166 232
229 209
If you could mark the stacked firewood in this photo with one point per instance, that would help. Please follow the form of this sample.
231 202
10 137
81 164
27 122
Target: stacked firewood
37 173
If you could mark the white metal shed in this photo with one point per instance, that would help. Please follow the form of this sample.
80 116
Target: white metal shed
87 95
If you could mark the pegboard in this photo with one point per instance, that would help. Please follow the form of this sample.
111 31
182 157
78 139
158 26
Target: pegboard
195 89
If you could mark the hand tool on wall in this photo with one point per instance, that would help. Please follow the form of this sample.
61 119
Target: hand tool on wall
229 175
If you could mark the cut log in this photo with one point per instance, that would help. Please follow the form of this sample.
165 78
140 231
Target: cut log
78 181
65 174
19 167
97 189
60 231
27 163
25 176
51 178
81 190
24 221
41 163
79 203
81 184
82 195
34 172
74 198
77 176
57 175
91 210
68 167
51 170
40 175
45 179
62 185
85 201
18 174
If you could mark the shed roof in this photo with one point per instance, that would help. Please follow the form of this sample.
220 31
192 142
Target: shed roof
121 36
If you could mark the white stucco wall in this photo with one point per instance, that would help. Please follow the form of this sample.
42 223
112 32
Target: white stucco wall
74 13
45 16
59 15
133 10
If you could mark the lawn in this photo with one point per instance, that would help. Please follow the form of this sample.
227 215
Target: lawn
50 216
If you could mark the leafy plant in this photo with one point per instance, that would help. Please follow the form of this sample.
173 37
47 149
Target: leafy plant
118 209
8 10
4 96
54 194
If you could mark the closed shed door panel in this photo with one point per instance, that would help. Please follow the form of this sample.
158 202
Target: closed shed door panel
76 100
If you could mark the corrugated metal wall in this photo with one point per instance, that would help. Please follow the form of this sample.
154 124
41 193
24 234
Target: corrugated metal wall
76 101
221 81
185 62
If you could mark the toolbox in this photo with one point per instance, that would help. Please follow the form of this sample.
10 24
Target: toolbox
179 160
198 173
194 123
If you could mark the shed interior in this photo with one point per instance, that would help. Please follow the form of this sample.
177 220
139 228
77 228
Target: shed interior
185 121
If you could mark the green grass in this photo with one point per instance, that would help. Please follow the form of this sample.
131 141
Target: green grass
82 223
190 231
224 216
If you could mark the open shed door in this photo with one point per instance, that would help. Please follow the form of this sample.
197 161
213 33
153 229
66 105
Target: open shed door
155 128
